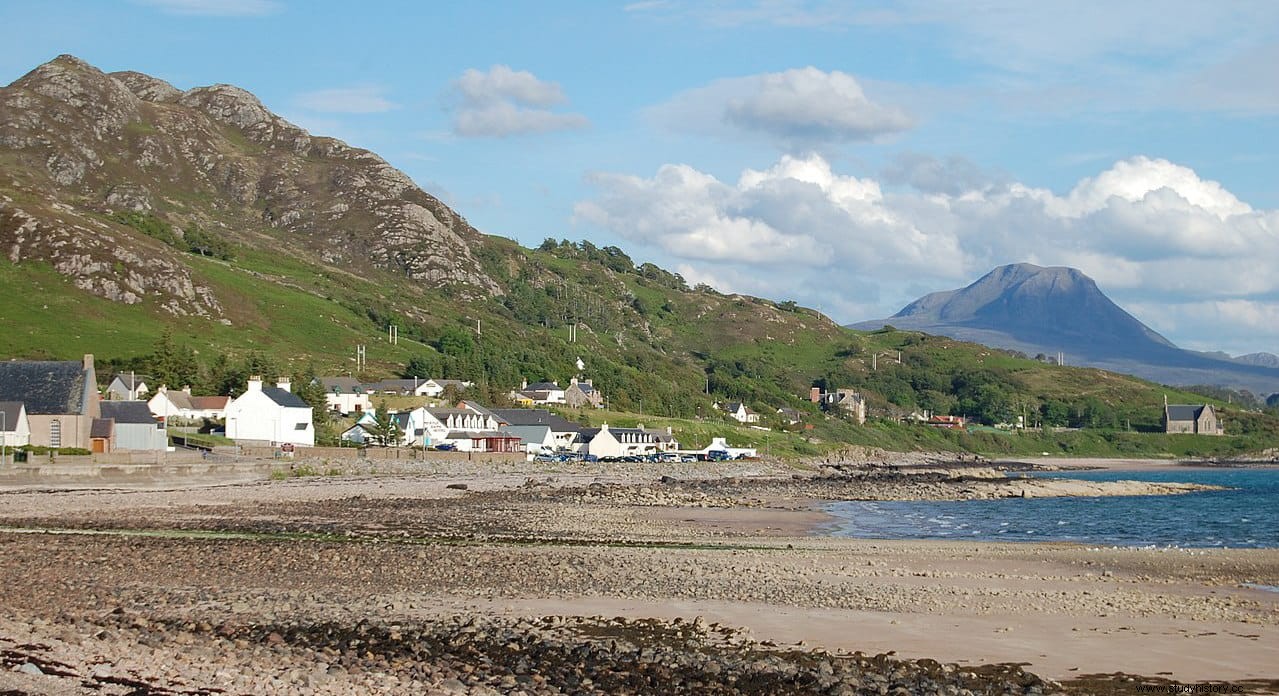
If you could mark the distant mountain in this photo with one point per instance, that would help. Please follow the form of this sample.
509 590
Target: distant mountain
1055 310
1259 359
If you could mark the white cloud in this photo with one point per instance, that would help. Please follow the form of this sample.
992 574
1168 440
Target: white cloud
803 108
503 102
1152 233
216 8
346 100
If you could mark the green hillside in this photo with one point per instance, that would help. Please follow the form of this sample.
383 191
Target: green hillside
207 239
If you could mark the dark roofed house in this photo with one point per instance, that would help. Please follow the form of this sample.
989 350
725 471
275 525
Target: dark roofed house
344 394
272 415
1199 419
136 428
61 399
583 394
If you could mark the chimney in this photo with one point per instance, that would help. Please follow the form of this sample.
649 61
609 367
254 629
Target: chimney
815 394
523 384
187 389
255 383
669 431
283 383
572 381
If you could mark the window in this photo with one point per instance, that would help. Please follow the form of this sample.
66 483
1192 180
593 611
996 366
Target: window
301 426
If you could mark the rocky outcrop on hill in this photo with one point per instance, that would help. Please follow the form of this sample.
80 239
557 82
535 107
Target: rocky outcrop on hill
78 144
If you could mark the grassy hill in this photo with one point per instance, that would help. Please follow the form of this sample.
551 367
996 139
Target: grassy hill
208 239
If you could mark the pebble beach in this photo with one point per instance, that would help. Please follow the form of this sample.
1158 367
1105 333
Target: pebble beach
684 578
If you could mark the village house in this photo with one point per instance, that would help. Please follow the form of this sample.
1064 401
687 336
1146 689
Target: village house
60 398
535 439
272 415
128 387
401 387
845 402
789 416
946 422
344 395
15 430
1199 419
664 439
618 442
178 405
739 412
583 394
133 427
469 430
539 393
563 432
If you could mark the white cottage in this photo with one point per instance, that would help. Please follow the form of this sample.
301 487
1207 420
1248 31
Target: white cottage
15 430
272 415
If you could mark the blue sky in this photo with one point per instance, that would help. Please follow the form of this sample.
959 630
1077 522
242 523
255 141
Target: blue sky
847 155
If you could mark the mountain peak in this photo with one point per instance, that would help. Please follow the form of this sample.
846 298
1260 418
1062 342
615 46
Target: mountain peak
1037 309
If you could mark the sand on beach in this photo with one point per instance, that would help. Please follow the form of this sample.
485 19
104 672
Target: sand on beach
624 544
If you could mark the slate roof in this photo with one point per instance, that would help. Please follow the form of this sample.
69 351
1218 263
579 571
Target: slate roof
528 433
543 386
47 387
341 385
396 385
536 416
482 410
11 410
128 412
128 380
101 428
1184 412
284 397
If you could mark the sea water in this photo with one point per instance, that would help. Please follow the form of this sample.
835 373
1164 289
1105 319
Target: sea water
1246 515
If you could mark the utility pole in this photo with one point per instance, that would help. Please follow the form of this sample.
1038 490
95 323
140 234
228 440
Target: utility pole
360 359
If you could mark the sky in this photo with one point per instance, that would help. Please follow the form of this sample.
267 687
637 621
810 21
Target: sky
850 156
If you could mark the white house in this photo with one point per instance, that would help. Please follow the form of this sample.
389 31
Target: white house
539 393
739 412
618 442
128 387
344 395
436 387
15 429
171 403
468 430
272 415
